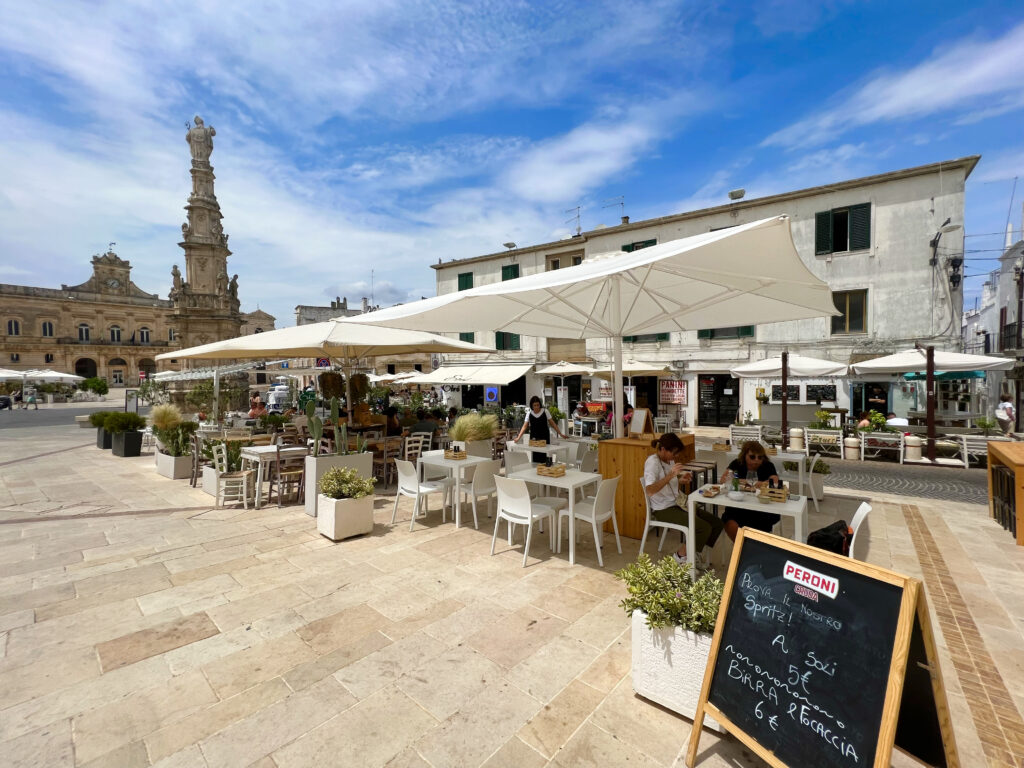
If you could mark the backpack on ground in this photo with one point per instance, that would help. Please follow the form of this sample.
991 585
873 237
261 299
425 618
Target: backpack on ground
832 538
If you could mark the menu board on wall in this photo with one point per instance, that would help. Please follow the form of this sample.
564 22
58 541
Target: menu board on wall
671 391
798 632
821 393
793 393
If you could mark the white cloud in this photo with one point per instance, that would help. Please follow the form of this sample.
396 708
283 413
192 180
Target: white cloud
956 79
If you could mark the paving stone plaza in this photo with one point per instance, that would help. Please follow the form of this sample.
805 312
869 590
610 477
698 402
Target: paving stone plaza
141 626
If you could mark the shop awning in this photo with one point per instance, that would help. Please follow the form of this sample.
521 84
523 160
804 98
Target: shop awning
946 375
472 374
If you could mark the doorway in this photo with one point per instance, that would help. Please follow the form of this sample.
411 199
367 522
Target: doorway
718 400
646 393
868 396
85 367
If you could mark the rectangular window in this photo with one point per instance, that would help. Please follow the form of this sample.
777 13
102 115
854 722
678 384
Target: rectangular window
49 357
118 377
506 341
469 336
83 332
47 328
465 281
15 357
630 247
170 334
577 260
854 308
843 229
144 335
554 264
13 328
510 272
647 338
732 332
115 333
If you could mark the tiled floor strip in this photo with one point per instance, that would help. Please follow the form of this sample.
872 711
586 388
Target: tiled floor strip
998 722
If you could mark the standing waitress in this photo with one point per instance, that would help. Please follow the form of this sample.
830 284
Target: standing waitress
537 421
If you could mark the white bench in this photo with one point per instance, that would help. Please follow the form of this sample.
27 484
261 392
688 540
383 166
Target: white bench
976 446
740 435
83 421
826 441
873 443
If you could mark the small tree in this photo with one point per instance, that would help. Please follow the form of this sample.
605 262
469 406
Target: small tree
95 384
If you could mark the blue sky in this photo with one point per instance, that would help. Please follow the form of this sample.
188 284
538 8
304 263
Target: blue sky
385 135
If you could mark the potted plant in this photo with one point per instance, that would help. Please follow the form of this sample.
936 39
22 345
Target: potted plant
344 504
476 433
125 428
233 450
98 419
316 466
987 426
815 473
174 445
673 620
271 422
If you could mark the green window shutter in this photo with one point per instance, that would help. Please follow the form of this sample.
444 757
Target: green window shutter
513 339
745 330
510 272
860 227
499 341
823 232
704 334
469 336
629 339
661 337
465 281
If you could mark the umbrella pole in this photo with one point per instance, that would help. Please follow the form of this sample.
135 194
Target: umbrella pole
216 396
616 362
930 388
349 406
785 400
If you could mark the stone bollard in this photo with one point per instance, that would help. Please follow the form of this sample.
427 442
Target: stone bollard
796 439
913 443
851 448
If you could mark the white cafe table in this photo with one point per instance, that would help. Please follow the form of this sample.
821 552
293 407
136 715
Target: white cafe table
795 508
455 468
571 481
262 455
551 449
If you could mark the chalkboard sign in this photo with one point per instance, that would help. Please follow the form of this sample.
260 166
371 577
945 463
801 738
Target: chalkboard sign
809 656
821 393
793 393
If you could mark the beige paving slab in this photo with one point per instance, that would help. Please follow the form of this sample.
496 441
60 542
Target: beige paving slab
212 719
601 626
263 661
479 728
510 640
132 755
370 733
653 730
35 598
49 674
17 619
271 728
241 612
515 753
476 616
136 646
444 683
331 632
176 596
42 562
552 666
191 757
133 717
566 602
608 669
304 675
49 746
179 578
591 747
383 667
555 724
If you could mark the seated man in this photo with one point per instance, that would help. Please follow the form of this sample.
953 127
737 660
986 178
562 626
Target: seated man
424 423
257 410
893 420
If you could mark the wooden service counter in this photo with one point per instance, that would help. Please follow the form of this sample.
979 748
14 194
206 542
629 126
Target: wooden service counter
1006 485
625 457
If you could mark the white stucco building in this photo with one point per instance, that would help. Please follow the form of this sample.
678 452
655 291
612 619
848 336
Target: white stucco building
873 240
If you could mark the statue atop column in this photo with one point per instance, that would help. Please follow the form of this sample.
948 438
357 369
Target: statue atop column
176 282
200 140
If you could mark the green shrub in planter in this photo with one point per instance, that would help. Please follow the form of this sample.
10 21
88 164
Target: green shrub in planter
345 483
95 384
118 422
669 597
98 419
126 438
176 440
821 467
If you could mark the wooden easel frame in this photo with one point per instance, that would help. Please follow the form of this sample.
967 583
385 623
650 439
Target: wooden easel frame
641 423
912 603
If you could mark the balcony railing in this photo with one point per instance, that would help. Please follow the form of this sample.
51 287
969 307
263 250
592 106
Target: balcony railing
109 343
1008 338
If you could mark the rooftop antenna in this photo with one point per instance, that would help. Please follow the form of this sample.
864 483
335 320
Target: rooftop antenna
620 201
110 247
575 218
373 301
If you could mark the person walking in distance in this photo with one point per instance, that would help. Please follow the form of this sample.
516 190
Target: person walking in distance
1006 415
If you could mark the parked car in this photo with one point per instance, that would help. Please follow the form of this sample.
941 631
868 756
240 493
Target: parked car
5 402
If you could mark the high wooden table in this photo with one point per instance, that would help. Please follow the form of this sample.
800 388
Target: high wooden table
625 456
1010 455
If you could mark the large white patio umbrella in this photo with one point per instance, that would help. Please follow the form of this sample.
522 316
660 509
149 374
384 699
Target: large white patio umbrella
332 338
786 365
742 275
631 368
929 361
563 369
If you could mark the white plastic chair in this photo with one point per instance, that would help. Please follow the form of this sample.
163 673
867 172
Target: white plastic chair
596 511
231 486
650 522
588 462
662 424
516 460
410 485
434 474
516 508
483 485
859 517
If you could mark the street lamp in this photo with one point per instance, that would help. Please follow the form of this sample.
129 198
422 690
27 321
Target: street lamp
934 243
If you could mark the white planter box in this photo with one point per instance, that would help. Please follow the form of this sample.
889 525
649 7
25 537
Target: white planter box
210 480
174 467
317 465
341 518
484 448
818 486
668 666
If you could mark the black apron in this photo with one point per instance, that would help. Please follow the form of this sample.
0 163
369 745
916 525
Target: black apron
539 430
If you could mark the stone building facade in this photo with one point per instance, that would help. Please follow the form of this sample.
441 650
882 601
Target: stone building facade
874 240
110 327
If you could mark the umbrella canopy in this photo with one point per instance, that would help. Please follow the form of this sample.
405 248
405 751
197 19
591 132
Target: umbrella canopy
563 369
632 368
49 375
705 281
7 373
472 374
799 365
333 338
916 361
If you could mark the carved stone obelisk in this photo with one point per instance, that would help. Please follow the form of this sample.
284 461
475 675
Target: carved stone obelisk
205 303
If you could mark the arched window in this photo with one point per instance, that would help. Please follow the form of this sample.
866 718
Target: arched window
170 334
143 335
115 333
83 331
47 328
13 328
